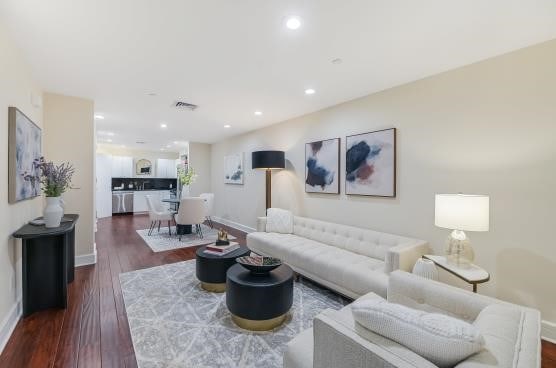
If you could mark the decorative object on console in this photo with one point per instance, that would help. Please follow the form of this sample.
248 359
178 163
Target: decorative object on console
143 167
55 180
425 268
371 163
24 147
233 169
322 166
268 160
259 264
222 237
461 212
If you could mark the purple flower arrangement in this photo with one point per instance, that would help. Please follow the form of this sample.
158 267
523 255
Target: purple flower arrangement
55 179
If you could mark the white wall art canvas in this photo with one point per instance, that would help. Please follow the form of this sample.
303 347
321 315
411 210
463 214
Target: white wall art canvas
371 163
233 169
322 166
24 146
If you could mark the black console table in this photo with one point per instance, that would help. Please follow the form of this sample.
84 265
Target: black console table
48 264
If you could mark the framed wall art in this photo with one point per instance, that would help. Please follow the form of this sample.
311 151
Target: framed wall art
371 163
322 166
233 169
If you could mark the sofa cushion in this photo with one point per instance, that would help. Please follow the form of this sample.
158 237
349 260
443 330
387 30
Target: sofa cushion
279 221
357 273
357 240
443 340
502 328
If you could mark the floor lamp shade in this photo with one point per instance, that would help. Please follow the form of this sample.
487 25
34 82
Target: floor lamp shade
268 160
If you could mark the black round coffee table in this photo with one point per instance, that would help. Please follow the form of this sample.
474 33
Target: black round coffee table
259 302
211 269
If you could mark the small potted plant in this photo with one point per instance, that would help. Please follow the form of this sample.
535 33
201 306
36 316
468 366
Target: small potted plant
55 180
186 178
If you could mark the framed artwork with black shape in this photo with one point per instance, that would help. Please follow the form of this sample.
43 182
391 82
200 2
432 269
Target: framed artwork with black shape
322 166
24 147
233 169
371 163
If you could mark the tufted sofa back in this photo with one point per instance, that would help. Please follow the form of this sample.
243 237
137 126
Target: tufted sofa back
366 242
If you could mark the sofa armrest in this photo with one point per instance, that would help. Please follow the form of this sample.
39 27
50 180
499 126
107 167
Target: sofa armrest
341 344
261 224
403 256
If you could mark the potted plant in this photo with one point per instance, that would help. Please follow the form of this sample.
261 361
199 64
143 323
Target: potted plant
186 177
55 180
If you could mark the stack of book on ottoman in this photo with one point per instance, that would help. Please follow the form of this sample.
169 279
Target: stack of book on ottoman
220 250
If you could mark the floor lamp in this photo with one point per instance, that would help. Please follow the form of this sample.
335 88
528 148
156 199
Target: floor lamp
268 161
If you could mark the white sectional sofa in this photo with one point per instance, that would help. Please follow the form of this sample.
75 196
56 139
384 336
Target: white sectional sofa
352 261
511 332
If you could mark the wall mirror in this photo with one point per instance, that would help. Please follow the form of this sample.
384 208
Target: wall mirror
143 167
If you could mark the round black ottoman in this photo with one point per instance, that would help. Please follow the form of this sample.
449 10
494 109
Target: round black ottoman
259 302
211 269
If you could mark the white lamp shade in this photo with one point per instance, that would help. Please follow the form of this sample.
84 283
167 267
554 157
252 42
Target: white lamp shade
462 212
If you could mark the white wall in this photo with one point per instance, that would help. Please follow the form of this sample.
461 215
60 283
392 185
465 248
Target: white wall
488 128
16 87
69 137
200 160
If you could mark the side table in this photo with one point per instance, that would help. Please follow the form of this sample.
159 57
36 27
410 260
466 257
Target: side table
473 275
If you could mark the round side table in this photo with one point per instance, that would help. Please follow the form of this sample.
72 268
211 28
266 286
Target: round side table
259 302
211 269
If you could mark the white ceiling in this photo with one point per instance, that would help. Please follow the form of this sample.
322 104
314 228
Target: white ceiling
234 57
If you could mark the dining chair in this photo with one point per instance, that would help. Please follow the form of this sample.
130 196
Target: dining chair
157 214
191 212
209 206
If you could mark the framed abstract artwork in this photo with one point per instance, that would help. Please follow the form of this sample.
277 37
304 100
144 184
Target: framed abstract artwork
371 163
322 166
233 169
24 146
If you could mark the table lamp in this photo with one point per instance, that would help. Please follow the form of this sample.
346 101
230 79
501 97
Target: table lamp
461 212
268 161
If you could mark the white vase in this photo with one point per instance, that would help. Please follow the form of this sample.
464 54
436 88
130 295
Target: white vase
426 268
53 212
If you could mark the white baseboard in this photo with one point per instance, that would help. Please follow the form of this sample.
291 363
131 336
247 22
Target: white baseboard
548 331
86 259
9 323
233 224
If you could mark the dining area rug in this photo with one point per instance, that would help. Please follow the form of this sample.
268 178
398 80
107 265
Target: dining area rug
160 241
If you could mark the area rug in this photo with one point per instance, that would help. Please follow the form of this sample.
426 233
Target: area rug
162 241
174 323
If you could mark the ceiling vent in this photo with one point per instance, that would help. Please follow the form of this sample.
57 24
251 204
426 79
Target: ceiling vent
140 142
185 105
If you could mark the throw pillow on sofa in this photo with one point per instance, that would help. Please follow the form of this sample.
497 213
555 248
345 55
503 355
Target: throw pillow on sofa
279 221
441 339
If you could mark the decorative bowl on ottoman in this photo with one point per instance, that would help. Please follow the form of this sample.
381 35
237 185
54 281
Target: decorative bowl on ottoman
259 264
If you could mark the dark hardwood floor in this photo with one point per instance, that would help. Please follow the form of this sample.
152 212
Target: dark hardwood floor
93 330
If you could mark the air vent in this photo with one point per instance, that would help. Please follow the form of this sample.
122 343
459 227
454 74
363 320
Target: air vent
185 105
140 142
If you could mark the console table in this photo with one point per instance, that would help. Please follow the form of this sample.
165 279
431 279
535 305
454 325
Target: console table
48 264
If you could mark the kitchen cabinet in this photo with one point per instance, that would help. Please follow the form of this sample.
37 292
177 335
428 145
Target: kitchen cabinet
140 198
122 167
166 168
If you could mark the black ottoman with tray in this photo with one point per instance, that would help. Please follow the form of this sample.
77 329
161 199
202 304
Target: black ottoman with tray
211 268
259 296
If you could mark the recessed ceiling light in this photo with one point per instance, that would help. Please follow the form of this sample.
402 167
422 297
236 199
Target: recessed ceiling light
99 117
310 91
227 126
293 22
164 125
258 113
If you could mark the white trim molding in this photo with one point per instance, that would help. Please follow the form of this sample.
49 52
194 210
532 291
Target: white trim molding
86 259
9 323
233 224
548 331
